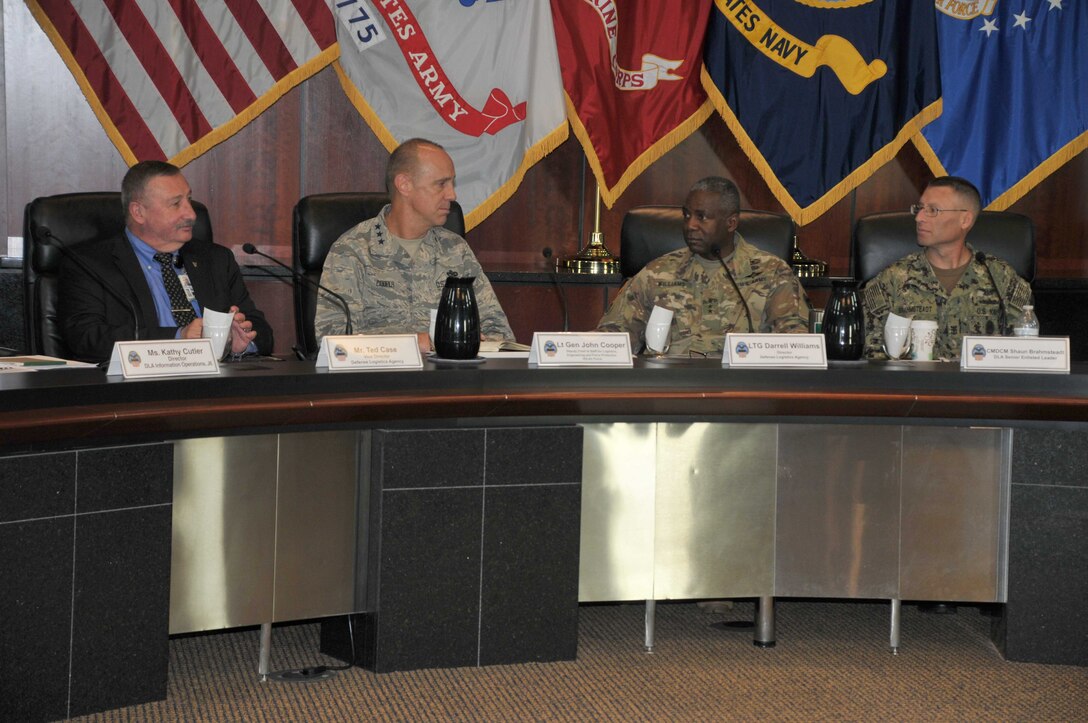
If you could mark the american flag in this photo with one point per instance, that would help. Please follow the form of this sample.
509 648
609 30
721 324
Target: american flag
168 79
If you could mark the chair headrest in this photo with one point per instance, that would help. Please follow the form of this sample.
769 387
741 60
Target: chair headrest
652 231
322 218
78 218
881 239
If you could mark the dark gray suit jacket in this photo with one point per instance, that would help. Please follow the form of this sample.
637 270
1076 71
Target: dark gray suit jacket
93 318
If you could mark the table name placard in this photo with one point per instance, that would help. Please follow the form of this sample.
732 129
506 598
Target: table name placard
370 351
162 358
1015 354
775 351
580 349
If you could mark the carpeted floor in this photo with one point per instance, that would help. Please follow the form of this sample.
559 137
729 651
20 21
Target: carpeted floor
831 663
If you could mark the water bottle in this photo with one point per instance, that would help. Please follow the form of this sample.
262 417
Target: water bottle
1027 323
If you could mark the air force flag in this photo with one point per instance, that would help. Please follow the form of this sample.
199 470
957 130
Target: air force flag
1015 78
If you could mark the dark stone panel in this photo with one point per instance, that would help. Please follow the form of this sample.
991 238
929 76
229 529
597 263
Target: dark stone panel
1046 617
428 585
37 485
122 477
529 601
1050 457
122 602
11 309
1061 313
432 458
534 455
35 618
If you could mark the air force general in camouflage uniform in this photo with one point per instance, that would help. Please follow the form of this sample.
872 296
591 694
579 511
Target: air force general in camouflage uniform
391 269
944 281
692 283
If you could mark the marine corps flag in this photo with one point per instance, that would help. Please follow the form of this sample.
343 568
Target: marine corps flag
480 78
631 73
169 80
1015 78
821 93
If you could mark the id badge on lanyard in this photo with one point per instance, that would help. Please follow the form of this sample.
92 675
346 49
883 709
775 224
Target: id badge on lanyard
187 286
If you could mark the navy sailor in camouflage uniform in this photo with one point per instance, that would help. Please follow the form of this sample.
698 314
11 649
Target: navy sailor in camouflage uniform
692 283
391 269
944 281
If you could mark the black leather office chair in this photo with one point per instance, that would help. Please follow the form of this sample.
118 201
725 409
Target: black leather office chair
881 239
651 231
74 219
318 221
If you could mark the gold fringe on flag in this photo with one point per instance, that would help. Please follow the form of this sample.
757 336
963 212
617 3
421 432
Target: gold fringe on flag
503 193
214 137
859 175
1019 189
662 146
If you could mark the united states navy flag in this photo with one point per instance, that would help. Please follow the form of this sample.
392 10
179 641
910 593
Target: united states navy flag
821 93
1015 77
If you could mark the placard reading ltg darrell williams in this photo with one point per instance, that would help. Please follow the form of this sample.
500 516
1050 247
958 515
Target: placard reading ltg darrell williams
775 351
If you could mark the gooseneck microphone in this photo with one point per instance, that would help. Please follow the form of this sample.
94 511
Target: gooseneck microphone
348 329
747 310
1003 319
55 241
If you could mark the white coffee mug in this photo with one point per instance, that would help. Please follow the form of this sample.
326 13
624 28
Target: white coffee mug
220 336
659 331
896 341
923 334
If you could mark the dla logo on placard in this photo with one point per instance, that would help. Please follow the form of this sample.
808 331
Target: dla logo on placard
550 349
978 352
134 360
742 349
340 353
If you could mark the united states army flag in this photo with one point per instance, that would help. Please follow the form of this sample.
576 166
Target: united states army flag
480 78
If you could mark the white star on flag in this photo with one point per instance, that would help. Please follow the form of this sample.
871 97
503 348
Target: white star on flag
1022 21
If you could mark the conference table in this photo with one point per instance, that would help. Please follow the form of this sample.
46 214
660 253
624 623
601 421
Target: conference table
458 516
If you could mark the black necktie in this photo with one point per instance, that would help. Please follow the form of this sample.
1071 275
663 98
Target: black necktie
179 303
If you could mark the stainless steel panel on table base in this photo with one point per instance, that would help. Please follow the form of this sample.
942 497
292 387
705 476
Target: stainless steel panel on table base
706 510
264 529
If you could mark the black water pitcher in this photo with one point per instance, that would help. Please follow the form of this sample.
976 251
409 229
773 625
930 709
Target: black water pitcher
457 324
844 324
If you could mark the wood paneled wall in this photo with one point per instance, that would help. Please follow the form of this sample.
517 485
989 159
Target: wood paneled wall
313 141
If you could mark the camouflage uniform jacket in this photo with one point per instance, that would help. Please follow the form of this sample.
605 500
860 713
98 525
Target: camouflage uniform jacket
390 293
704 304
910 288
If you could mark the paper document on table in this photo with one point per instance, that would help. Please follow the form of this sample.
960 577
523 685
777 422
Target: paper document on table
502 346
34 362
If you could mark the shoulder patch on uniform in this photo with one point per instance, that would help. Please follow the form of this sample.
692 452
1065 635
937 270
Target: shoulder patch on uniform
875 299
1018 292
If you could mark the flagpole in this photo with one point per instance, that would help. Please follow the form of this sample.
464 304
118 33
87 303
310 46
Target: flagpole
594 258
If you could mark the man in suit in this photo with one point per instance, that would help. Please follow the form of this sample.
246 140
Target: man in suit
165 277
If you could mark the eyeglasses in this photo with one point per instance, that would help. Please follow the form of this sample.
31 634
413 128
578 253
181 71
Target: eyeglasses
931 211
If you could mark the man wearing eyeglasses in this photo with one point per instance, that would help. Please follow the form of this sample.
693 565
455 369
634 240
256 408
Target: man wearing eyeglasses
945 281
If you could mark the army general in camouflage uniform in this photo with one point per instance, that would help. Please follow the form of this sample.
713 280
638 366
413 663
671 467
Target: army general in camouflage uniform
692 283
391 269
944 281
